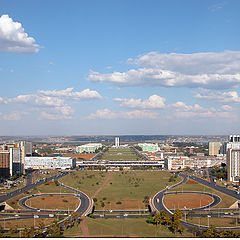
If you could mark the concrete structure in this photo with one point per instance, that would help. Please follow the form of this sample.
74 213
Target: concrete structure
117 142
149 147
214 148
16 163
181 162
88 148
50 162
4 164
233 158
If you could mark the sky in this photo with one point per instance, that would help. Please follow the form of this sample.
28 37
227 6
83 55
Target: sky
103 67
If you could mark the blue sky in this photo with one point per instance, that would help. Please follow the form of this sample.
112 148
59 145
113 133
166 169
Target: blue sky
119 67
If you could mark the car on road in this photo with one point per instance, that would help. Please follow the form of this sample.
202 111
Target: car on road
51 215
101 216
158 201
36 216
16 215
125 215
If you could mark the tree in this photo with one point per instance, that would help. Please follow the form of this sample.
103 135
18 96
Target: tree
177 214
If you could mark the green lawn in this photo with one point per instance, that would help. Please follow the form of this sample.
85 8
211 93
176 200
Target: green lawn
217 222
136 227
120 154
86 181
73 232
226 202
130 187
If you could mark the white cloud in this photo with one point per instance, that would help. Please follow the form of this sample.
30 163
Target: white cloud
14 116
14 39
55 101
226 108
136 114
182 110
227 97
152 102
206 70
68 93
50 116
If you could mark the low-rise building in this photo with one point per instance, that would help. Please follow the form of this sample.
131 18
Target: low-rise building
149 147
50 162
88 148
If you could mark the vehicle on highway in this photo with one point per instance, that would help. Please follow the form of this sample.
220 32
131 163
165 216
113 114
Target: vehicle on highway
125 215
51 215
36 216
158 201
16 215
101 216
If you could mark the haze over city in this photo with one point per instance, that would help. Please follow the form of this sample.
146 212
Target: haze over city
119 67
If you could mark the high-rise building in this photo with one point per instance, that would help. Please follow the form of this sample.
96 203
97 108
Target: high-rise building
16 165
233 158
117 142
214 148
4 164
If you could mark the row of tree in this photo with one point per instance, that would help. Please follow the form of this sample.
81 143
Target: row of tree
171 221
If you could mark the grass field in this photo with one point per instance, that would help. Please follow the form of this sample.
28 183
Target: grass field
130 188
217 222
188 200
73 232
54 202
128 228
120 154
26 223
191 185
86 181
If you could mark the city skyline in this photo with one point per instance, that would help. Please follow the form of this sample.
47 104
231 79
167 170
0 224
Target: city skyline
119 67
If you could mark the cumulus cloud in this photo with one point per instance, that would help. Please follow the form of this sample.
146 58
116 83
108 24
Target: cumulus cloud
227 97
55 101
152 102
69 93
136 114
13 37
14 116
206 70
182 110
50 116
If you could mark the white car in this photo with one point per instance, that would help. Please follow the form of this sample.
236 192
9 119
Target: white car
16 215
36 216
125 215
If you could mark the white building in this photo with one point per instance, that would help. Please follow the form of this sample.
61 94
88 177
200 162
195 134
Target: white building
233 158
88 148
50 162
117 142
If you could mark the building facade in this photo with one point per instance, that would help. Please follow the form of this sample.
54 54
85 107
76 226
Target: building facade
88 148
214 148
149 147
50 162
117 142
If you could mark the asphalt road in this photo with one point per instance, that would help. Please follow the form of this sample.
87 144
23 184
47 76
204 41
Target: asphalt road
213 185
17 192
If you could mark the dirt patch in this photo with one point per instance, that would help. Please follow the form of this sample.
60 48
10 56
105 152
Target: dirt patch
188 200
86 156
191 182
51 201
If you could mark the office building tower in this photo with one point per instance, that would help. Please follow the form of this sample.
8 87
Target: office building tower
4 164
214 148
233 158
117 142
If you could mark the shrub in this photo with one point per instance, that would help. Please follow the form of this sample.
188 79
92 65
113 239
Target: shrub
118 202
95 199
64 200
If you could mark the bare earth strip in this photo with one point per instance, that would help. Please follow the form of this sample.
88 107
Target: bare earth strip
83 223
84 227
102 186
